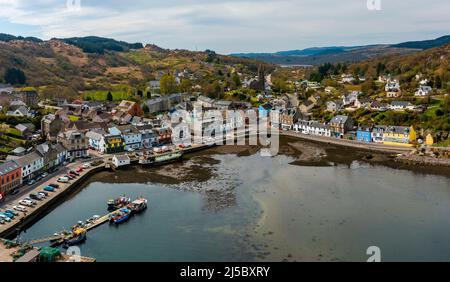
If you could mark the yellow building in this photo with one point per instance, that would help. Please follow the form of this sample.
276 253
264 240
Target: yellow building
399 136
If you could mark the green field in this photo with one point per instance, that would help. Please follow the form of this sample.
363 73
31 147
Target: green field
101 95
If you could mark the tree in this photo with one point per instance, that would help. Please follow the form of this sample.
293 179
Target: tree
145 109
235 81
109 96
168 84
186 86
15 76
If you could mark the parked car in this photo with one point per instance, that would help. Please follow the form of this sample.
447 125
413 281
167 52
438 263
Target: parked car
49 189
9 215
74 173
26 203
14 192
13 212
44 175
20 208
54 185
35 197
44 193
31 200
80 169
5 218
86 165
69 176
63 180
2 221
31 182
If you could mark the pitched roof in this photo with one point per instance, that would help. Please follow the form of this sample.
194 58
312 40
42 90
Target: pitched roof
8 166
340 119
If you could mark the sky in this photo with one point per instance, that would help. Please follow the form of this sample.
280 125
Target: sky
231 26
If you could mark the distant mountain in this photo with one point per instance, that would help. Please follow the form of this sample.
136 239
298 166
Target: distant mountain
426 44
335 54
8 37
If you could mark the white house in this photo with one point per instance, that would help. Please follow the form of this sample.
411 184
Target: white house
31 164
334 106
348 78
121 160
424 91
350 98
131 136
393 89
312 128
401 106
21 111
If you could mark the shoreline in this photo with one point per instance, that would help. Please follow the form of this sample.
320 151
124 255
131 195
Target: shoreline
303 157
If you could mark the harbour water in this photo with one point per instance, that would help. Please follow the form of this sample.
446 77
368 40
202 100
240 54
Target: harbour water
222 206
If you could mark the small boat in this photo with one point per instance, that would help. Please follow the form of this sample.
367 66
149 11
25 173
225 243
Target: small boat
138 205
121 216
115 204
78 237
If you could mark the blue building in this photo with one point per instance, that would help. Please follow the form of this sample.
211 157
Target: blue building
364 134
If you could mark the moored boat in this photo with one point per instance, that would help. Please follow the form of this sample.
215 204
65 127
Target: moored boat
121 216
138 205
115 204
77 237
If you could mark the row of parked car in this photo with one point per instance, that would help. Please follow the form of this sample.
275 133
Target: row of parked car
72 174
27 203
31 201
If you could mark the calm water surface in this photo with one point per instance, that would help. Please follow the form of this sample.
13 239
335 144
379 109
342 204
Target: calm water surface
273 211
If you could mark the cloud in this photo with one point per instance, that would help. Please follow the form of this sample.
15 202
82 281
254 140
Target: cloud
234 25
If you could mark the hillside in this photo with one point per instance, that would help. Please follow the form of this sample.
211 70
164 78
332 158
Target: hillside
339 54
93 63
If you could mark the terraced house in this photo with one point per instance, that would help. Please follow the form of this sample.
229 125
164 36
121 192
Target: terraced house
10 177
111 144
76 144
399 135
31 164
132 137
